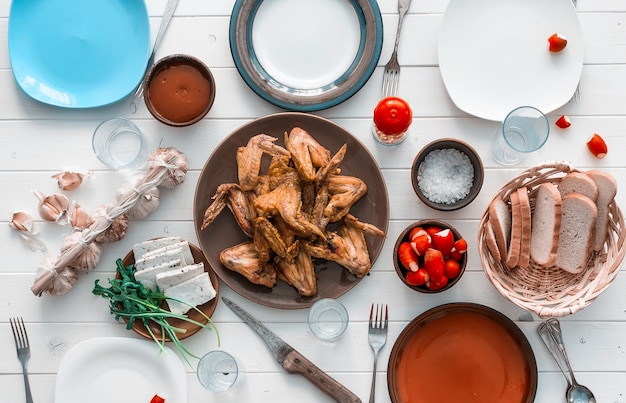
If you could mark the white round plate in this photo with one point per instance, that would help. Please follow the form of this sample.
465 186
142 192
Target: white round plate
120 370
306 55
494 57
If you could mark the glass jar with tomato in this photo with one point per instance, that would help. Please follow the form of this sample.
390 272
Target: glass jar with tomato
392 118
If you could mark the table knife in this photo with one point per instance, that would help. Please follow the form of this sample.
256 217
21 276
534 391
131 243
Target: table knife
294 362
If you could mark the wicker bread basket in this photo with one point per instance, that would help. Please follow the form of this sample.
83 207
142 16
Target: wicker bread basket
550 291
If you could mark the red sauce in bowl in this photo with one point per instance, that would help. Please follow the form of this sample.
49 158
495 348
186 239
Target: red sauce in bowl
180 93
461 356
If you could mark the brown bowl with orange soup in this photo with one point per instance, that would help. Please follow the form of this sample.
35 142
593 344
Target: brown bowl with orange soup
179 90
462 352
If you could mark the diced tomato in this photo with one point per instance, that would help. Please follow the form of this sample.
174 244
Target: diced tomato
419 277
443 241
597 146
563 122
434 264
421 243
556 42
407 256
157 399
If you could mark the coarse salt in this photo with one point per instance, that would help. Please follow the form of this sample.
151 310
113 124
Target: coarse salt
445 176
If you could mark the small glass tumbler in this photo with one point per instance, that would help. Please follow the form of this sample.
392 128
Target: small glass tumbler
328 319
120 144
217 371
524 130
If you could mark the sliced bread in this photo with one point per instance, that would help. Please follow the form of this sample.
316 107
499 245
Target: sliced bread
500 219
607 189
525 220
578 220
546 224
492 244
512 257
578 182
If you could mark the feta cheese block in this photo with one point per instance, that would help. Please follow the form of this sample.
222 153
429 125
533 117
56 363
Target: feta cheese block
182 246
171 278
144 247
147 277
196 291
150 260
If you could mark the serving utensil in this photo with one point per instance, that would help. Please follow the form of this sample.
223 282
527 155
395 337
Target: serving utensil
170 7
23 351
550 332
294 362
377 336
391 76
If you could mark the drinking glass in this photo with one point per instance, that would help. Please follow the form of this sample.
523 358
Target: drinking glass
524 130
120 144
217 371
328 319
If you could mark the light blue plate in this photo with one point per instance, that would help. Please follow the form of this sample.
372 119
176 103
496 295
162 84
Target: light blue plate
302 55
78 53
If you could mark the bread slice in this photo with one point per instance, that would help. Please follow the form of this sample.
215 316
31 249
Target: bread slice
578 182
492 244
578 221
512 258
525 218
546 224
500 219
607 189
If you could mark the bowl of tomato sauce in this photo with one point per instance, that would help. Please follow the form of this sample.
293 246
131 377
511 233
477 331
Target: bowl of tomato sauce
179 90
462 352
430 256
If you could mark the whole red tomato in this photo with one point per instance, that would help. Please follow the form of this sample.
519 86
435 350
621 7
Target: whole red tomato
392 115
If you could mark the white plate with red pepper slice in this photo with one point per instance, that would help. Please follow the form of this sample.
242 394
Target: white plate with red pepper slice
120 370
495 55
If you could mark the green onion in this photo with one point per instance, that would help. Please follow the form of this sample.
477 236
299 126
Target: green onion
130 300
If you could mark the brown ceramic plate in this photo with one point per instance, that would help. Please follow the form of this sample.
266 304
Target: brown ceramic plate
469 351
221 167
207 308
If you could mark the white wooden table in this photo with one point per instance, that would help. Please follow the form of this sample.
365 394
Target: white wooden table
37 141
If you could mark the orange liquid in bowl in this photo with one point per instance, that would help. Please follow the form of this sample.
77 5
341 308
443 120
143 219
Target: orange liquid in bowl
462 357
180 93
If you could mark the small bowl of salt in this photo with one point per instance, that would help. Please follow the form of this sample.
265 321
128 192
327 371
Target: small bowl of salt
447 174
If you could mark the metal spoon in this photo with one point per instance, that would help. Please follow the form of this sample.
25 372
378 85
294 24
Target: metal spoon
550 332
170 7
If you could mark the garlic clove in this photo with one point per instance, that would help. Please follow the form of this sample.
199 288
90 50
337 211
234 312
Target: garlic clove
21 221
52 207
68 180
79 217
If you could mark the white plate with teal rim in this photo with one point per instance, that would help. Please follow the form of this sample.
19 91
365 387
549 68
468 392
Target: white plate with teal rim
304 55
78 53
493 55
120 370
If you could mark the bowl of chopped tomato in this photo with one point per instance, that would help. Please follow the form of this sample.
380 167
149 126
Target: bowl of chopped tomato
430 256
447 174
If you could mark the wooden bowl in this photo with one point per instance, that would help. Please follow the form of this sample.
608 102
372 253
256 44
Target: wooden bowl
207 308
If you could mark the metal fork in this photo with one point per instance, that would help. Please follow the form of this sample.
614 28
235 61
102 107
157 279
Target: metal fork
576 97
377 336
391 76
23 350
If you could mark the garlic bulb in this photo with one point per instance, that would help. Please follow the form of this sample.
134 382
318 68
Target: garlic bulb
146 203
52 207
62 282
68 180
176 163
88 257
115 231
79 217
22 221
